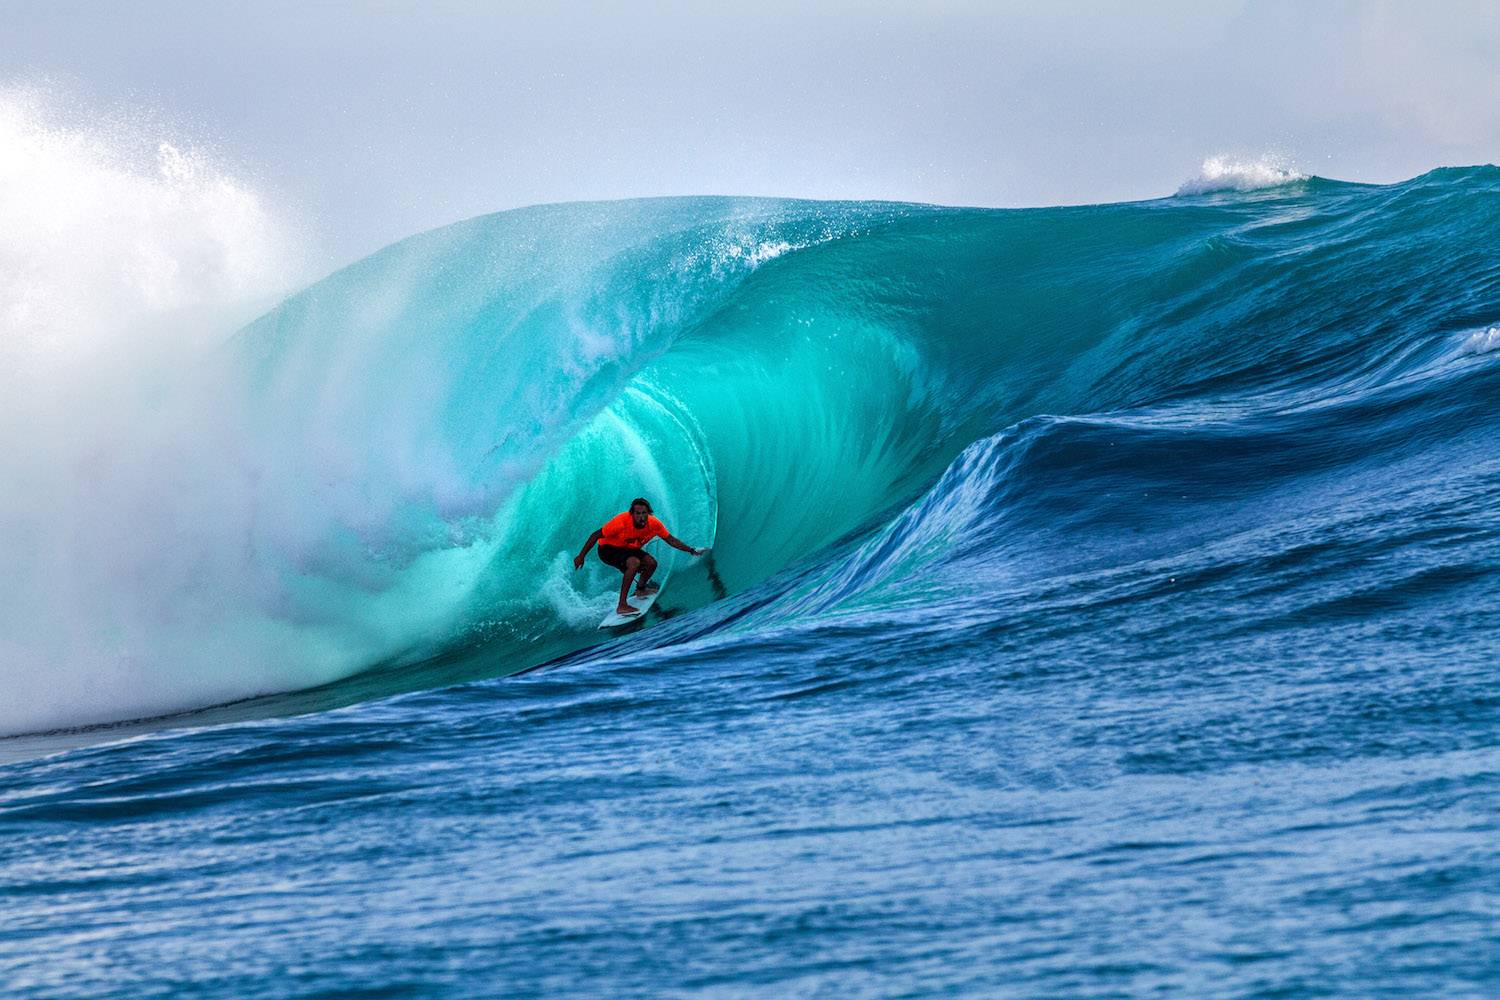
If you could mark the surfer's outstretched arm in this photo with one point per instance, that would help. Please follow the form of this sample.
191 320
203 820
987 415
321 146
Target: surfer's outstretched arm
677 543
578 559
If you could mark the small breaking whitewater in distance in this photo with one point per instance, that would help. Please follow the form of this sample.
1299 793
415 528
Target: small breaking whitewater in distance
1226 173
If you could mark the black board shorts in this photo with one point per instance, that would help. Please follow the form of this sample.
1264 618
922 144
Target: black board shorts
615 555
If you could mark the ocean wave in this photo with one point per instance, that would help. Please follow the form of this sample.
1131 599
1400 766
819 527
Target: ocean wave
407 453
1225 173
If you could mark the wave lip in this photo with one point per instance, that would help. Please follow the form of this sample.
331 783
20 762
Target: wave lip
1226 173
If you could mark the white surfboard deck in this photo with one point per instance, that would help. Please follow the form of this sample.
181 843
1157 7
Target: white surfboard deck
613 620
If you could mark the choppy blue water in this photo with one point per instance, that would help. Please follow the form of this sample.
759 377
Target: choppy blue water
1103 604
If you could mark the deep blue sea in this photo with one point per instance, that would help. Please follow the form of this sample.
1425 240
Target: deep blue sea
1102 602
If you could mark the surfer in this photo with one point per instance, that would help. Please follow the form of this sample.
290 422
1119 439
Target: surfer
621 545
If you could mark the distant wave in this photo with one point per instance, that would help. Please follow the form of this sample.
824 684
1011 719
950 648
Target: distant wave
1224 173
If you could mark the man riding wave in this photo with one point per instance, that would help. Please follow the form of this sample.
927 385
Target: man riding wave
621 545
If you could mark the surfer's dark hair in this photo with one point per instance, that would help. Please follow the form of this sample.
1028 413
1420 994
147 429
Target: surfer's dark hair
644 503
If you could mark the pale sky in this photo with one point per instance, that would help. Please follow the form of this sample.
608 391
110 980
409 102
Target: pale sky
379 119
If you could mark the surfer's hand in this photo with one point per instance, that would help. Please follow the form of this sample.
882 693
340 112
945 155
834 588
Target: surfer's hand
578 562
699 552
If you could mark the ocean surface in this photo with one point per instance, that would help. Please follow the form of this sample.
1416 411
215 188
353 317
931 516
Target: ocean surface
1102 603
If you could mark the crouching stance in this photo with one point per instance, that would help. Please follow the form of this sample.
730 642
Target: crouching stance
622 543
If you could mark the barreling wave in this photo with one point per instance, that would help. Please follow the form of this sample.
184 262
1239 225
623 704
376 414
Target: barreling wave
406 454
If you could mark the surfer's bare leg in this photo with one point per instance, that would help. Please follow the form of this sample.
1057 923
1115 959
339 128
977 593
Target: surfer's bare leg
644 585
631 566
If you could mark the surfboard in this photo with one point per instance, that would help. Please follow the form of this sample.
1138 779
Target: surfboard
613 620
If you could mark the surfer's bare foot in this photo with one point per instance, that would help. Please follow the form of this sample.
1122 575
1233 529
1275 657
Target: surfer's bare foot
625 609
647 588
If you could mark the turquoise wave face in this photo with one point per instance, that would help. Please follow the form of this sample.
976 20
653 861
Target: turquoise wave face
468 404
416 446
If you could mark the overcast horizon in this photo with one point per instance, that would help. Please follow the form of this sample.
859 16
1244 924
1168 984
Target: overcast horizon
376 121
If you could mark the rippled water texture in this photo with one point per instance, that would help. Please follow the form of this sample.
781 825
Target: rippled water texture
1102 604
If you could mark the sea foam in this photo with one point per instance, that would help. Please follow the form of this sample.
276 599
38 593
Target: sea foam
126 254
1482 341
1225 173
